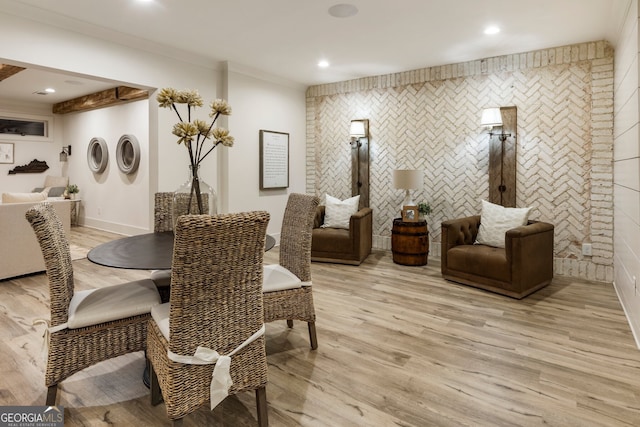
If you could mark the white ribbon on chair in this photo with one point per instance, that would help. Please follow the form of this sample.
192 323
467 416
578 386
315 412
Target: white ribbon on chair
221 377
47 333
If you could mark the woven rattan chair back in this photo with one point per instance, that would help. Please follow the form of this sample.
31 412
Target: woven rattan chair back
57 258
216 302
164 209
295 256
295 235
162 212
71 350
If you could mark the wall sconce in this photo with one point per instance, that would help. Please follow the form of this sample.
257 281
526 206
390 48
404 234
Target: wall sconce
359 133
502 154
408 179
492 117
66 151
358 129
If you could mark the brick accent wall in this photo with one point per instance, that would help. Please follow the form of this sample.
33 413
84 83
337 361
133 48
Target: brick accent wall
429 119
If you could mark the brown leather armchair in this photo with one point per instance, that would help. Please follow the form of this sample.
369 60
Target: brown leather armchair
523 266
339 245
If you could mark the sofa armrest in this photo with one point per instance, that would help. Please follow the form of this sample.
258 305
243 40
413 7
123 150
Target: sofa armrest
529 249
318 220
361 231
360 215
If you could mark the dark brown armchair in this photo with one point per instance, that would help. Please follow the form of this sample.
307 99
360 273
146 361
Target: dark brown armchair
523 266
339 245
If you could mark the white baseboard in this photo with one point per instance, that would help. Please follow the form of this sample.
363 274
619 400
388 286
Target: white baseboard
113 227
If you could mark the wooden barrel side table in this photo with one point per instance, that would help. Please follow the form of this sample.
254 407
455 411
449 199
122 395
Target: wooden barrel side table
410 242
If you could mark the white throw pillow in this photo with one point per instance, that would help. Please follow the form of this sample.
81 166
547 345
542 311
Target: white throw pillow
23 197
496 220
337 213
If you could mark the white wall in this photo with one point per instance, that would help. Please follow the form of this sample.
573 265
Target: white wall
104 195
38 45
259 103
27 149
627 170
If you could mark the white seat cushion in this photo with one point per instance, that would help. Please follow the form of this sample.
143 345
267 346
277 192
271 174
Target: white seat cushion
160 313
162 278
278 278
111 303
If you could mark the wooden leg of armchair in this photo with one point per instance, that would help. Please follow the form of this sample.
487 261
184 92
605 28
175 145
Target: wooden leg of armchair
290 323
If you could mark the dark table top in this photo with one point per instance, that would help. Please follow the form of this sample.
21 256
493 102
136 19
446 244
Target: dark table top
151 251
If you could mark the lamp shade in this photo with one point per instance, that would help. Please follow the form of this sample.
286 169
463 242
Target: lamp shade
408 179
491 117
357 129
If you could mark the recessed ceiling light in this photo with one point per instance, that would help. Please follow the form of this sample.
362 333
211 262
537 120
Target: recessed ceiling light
492 30
50 90
323 63
343 10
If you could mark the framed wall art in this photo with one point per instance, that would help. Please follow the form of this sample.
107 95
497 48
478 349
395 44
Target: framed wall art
6 152
274 160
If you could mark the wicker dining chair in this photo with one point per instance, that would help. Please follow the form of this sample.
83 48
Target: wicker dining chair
163 213
163 209
215 305
162 222
287 285
87 326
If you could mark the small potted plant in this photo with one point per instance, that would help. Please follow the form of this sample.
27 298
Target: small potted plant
72 190
424 209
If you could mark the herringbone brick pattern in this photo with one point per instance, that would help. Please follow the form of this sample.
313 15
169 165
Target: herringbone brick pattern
433 125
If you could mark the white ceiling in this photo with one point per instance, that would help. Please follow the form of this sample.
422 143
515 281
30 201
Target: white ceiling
287 38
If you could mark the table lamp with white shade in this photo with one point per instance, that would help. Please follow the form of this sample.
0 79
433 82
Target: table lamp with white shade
408 179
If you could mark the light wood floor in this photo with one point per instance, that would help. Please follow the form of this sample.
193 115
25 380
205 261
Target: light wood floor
398 346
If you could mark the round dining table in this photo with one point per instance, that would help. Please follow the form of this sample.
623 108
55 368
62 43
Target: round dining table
150 251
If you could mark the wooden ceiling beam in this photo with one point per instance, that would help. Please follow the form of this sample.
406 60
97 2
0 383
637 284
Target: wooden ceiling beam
125 93
7 71
105 98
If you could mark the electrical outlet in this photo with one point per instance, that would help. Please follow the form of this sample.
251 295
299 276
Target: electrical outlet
99 211
586 249
635 286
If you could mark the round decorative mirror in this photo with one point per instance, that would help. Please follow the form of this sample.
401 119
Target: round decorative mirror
97 155
128 154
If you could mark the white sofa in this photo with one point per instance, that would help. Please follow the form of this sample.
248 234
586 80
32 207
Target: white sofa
19 250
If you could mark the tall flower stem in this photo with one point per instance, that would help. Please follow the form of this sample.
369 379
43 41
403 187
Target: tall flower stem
195 189
194 135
